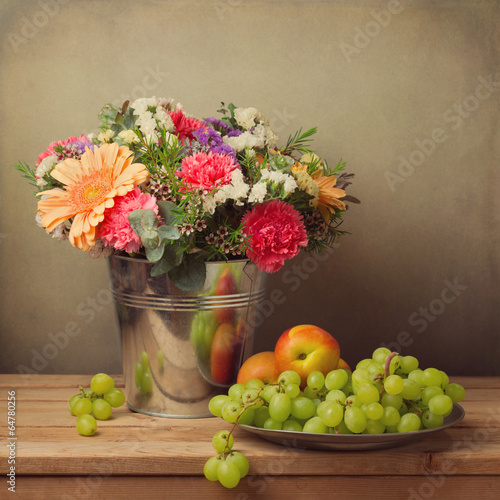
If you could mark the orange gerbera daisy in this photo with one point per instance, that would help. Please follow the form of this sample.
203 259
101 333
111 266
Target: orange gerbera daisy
90 183
328 198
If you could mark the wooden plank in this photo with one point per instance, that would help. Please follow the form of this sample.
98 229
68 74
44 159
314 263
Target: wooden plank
251 487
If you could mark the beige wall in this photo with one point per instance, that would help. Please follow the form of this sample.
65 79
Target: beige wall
382 81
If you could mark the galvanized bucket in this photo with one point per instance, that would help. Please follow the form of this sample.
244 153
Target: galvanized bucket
182 348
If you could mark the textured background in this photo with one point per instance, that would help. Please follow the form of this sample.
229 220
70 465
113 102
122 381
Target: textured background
406 91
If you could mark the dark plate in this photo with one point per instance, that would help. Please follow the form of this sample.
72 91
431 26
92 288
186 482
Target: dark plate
351 442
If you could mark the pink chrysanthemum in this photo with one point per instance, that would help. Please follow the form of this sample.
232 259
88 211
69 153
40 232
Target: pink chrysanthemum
115 229
276 232
70 140
184 125
207 171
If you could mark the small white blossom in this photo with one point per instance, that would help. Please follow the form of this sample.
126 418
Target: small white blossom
46 166
246 117
106 136
258 193
141 105
164 119
128 136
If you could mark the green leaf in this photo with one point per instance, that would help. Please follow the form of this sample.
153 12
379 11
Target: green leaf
108 114
168 233
155 254
150 239
169 260
190 274
166 210
142 220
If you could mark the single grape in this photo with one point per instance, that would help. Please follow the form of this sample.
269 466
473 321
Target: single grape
376 370
408 364
289 377
360 376
240 461
230 411
315 424
268 392
368 393
280 407
429 392
273 424
337 396
71 403
115 397
355 419
431 421
210 468
303 408
353 400
364 363
411 389
391 400
82 407
247 417
101 383
432 377
249 396
374 411
101 409
216 403
291 425
261 415
292 390
235 392
394 364
330 413
455 391
254 383
445 379
440 404
416 376
380 354
394 385
336 379
222 441
228 474
409 423
86 425
390 417
311 393
374 427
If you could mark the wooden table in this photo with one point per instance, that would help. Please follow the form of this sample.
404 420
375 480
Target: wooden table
137 456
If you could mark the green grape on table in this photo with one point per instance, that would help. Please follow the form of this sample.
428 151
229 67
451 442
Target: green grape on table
83 406
86 425
240 461
101 409
223 441
228 474
71 403
101 383
114 397
210 468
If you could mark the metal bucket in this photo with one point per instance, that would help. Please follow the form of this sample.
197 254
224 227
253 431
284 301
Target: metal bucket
182 348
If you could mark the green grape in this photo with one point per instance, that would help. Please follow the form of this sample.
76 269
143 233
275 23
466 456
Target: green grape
409 423
376 370
394 364
342 429
360 376
432 377
268 392
315 424
210 468
431 421
71 403
292 390
445 379
310 393
222 441
254 383
336 379
337 396
374 411
115 397
440 404
101 409
455 391
247 417
380 354
429 392
353 401
303 408
416 376
230 411
101 383
408 364
390 417
280 407
261 415
145 360
391 429
273 424
147 383
291 425
374 427
394 385
355 419
330 413
228 474
364 363
289 377
411 389
251 396
138 375
368 393
235 392
86 425
82 407
391 400
216 403
240 461
315 380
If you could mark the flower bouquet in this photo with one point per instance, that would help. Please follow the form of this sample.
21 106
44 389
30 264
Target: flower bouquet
159 184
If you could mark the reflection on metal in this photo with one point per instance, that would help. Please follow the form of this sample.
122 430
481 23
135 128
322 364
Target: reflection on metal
182 348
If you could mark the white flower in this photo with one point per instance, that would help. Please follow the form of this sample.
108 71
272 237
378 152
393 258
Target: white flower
278 177
142 104
128 136
236 190
246 117
209 204
106 136
245 140
147 125
258 193
289 185
46 166
164 119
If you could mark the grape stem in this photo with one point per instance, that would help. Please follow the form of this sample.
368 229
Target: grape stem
387 365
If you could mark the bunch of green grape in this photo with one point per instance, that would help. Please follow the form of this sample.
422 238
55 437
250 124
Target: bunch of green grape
386 393
95 403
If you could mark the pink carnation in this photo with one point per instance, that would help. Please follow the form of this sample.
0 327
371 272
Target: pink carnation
51 151
115 229
184 125
207 171
276 232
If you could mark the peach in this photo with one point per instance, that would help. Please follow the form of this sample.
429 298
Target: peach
261 366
